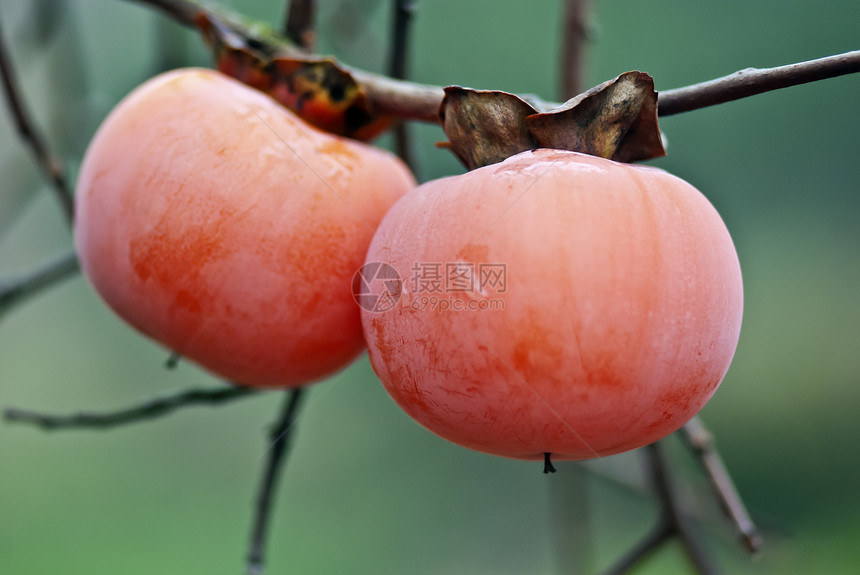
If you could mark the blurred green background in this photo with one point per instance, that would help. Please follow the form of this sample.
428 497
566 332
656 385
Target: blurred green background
367 491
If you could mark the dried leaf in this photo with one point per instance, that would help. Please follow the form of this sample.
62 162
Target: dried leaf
483 126
615 120
316 89
324 95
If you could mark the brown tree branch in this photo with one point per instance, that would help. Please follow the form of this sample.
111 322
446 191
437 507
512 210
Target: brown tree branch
144 411
754 81
419 102
299 24
280 437
14 292
50 165
701 442
574 37
399 98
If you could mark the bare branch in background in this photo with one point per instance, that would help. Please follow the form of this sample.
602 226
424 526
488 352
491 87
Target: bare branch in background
673 522
574 38
50 165
398 68
701 442
300 23
655 538
144 411
183 11
14 292
754 81
280 437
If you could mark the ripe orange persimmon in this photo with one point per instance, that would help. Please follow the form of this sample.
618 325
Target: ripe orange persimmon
555 303
216 222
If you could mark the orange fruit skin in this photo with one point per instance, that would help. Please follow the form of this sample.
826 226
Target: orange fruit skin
621 311
216 222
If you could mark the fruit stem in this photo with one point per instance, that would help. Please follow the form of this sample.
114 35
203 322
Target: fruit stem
172 360
548 467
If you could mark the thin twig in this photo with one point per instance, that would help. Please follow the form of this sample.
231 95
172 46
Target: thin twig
279 437
13 292
655 538
299 23
50 165
574 37
144 411
754 81
398 68
701 442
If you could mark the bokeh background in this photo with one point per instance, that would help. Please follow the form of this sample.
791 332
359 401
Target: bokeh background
367 491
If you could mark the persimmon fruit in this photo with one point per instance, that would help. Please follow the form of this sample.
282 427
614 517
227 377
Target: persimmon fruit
218 223
617 319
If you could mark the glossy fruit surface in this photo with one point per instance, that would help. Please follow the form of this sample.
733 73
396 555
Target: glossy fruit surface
218 223
616 318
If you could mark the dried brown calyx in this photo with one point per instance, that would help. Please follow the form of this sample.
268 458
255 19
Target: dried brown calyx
615 120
